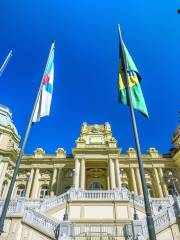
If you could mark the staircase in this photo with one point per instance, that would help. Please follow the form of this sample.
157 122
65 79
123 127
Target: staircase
33 213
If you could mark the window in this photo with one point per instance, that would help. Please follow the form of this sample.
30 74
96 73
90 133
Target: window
44 191
20 191
96 186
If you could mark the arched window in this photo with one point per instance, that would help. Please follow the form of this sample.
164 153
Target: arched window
20 191
96 186
44 191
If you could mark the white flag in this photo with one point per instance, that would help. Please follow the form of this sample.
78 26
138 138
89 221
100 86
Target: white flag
44 101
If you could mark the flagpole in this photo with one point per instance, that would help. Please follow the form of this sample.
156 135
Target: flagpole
149 218
5 63
8 197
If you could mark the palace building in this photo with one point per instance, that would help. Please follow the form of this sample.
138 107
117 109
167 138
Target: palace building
94 193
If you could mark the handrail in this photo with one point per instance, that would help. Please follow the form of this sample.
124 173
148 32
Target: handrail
90 195
164 219
47 225
40 222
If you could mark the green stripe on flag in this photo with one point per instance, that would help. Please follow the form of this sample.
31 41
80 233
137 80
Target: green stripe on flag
134 79
137 98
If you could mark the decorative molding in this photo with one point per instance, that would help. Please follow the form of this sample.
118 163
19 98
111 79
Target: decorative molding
39 152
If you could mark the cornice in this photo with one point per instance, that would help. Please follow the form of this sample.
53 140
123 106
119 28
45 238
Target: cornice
10 154
105 150
10 131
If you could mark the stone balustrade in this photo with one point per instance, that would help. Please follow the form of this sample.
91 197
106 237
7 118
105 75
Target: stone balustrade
138 200
44 224
32 211
168 201
34 203
40 222
73 194
54 201
16 207
48 226
86 195
162 220
115 230
99 195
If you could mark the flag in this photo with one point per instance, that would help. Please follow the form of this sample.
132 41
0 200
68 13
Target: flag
134 78
44 102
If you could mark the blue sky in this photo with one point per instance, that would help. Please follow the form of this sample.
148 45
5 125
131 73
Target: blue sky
86 65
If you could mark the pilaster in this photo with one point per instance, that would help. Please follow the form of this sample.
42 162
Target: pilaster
112 174
3 170
29 183
58 184
35 184
134 185
82 172
139 185
77 171
158 184
178 179
6 188
118 177
53 182
164 187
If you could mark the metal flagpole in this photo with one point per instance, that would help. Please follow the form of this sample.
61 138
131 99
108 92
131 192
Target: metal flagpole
150 223
5 63
8 197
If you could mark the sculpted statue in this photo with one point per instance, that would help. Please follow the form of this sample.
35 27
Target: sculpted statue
84 127
107 127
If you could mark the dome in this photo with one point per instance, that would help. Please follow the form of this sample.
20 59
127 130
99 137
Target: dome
6 118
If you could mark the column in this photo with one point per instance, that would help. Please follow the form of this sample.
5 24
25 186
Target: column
29 183
35 184
82 173
139 185
163 184
118 177
53 182
3 169
108 183
158 184
77 170
178 179
112 174
59 179
6 188
178 174
14 192
133 180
